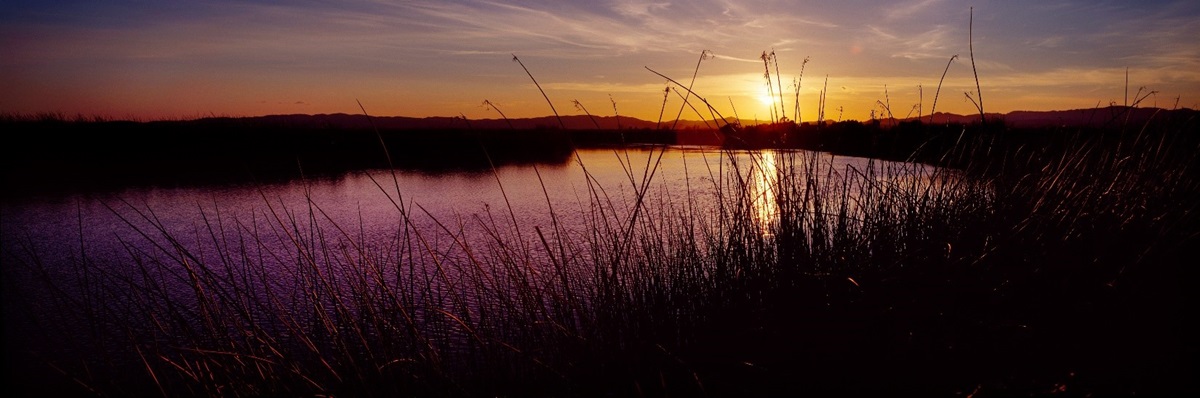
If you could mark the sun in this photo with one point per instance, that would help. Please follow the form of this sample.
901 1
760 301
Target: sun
765 98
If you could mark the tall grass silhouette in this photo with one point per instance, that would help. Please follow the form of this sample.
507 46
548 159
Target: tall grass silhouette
1029 261
857 271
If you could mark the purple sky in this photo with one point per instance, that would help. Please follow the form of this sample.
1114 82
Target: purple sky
155 59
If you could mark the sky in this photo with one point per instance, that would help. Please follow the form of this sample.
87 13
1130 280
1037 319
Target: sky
153 60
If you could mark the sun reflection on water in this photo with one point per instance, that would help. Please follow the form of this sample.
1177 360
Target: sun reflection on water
764 191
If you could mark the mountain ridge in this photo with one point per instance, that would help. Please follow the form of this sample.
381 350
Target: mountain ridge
1092 117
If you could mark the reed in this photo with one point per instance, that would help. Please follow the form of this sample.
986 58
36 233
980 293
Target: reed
1027 260
491 106
705 54
539 87
821 102
579 106
933 108
779 87
971 46
666 94
799 80
616 114
766 58
710 107
656 297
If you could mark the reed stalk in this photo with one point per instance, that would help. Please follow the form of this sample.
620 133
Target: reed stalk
489 105
705 54
933 108
539 87
971 43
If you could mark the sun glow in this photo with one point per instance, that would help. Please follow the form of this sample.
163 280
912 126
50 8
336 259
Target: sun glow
765 98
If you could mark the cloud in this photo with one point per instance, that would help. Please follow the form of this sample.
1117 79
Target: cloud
625 27
639 8
747 60
908 9
604 87
1047 42
581 32
933 43
454 47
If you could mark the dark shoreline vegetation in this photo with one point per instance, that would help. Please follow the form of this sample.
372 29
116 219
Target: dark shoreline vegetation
1043 260
51 153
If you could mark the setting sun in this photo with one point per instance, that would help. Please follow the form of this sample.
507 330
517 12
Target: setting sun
480 198
424 58
766 99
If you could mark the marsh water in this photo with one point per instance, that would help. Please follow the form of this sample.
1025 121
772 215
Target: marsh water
368 206
55 245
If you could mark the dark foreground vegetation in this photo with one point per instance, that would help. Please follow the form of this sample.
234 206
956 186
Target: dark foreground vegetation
53 153
1043 261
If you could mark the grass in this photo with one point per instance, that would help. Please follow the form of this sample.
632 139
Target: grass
1040 261
1033 262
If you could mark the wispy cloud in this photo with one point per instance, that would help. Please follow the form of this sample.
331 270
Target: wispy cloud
418 50
932 43
738 59
604 87
639 8
910 8
1051 42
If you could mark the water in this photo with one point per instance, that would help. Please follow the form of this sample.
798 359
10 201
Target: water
369 202
440 224
379 209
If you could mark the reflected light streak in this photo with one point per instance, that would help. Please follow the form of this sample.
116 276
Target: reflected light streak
764 192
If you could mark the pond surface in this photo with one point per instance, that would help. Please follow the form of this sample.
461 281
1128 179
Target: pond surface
429 236
369 205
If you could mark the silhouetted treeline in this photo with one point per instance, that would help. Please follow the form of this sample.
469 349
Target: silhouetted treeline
56 154
68 156
957 144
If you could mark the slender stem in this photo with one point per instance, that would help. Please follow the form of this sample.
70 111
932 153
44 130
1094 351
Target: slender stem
799 83
779 84
703 54
689 104
489 104
585 111
689 90
735 115
766 58
539 87
971 47
615 113
933 109
666 92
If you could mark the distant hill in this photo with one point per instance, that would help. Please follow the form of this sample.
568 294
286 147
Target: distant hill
51 154
573 122
1094 117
